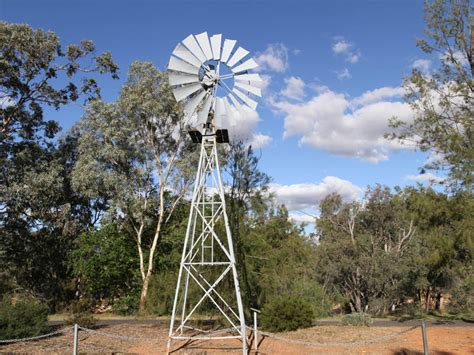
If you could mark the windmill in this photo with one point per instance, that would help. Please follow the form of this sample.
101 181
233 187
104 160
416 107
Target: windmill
211 78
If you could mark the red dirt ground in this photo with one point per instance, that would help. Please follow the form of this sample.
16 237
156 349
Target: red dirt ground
442 340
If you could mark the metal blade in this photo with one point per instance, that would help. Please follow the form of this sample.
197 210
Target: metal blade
183 53
203 113
184 91
193 46
227 49
203 41
219 112
230 110
234 100
190 106
216 46
248 77
238 55
181 66
180 79
251 103
249 64
251 89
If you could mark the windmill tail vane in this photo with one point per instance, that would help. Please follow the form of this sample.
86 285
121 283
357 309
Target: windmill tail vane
211 78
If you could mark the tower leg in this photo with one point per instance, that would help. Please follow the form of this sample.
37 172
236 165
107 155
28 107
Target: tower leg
207 208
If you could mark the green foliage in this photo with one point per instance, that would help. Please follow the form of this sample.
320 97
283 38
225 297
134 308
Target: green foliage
126 305
22 318
287 313
32 60
462 299
357 319
426 234
80 313
41 214
442 99
106 264
133 151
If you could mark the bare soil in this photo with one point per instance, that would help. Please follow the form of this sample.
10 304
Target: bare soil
442 340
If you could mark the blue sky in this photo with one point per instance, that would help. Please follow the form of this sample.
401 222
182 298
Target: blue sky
333 70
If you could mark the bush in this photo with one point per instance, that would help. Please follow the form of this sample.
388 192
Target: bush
126 305
22 318
358 319
462 299
80 313
287 313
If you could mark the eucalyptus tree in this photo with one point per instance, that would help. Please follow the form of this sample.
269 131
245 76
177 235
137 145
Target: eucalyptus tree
443 99
135 152
248 186
39 213
359 246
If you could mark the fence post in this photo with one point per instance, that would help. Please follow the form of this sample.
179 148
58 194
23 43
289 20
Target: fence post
425 339
255 339
74 350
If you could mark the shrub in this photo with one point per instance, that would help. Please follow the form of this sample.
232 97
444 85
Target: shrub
358 319
287 313
126 305
80 313
22 318
462 298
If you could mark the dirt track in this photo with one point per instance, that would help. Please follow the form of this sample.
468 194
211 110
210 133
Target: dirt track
442 340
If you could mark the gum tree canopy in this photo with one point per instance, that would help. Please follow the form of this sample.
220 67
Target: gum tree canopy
443 99
39 214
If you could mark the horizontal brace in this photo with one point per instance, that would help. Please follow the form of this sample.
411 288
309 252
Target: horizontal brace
210 263
207 338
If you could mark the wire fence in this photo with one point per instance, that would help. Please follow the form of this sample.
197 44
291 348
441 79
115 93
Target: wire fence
75 329
344 343
19 340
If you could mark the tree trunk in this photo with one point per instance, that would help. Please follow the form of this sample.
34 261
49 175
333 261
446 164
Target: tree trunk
438 302
357 302
427 300
143 294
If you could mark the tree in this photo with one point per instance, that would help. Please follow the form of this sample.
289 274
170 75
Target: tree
248 187
105 263
442 250
443 99
40 215
360 244
135 152
31 61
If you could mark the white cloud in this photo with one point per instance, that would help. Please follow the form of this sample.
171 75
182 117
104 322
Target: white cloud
341 46
245 124
345 48
301 218
259 141
294 88
329 121
353 57
309 195
274 58
435 158
379 94
343 74
266 81
456 56
425 178
423 65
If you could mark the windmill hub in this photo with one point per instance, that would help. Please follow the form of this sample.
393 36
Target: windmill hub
212 74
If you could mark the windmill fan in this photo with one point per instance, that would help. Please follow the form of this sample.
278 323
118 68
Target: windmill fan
210 76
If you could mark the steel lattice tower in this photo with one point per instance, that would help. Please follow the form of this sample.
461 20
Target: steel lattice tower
200 69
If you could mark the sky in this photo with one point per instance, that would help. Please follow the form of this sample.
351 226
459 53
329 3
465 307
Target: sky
332 75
